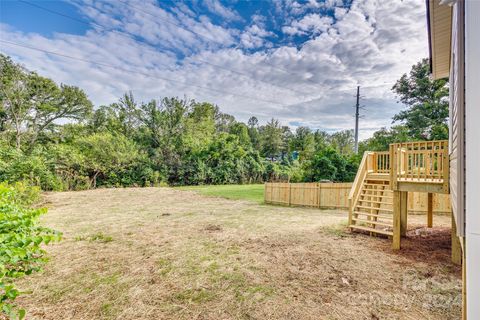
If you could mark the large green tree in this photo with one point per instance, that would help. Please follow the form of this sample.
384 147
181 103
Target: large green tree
343 141
31 104
381 139
330 165
426 101
271 138
303 141
104 154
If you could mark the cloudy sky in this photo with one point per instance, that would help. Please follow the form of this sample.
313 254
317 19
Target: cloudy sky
296 60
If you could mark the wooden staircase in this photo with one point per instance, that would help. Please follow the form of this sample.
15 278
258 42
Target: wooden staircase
373 209
378 200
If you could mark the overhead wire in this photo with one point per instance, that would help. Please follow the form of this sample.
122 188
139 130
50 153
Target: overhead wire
208 38
143 73
157 50
140 73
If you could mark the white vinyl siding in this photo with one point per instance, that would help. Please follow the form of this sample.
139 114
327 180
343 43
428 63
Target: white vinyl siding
472 150
457 118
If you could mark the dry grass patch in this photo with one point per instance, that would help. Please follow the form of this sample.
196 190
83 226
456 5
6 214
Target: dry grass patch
159 253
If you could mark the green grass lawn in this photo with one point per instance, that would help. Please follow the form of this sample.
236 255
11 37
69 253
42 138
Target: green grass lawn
251 192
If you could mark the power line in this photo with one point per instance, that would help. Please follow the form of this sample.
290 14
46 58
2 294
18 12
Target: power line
140 72
83 22
198 34
208 38
167 21
357 115
131 38
181 26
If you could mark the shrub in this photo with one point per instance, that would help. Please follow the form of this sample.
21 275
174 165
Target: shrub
20 242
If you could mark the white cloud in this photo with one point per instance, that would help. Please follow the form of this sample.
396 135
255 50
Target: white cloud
296 8
219 9
253 37
311 23
371 45
149 22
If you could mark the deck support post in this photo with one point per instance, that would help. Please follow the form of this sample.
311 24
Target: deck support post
396 220
403 213
456 245
400 208
430 210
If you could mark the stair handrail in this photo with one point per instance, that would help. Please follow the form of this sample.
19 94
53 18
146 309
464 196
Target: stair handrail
363 169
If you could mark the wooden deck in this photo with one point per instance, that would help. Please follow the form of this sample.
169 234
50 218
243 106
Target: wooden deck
379 195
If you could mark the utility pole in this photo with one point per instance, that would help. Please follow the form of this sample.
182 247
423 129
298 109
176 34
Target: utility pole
357 115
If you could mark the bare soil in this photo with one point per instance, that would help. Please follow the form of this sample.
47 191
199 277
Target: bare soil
159 253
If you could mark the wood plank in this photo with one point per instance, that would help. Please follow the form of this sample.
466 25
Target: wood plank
373 222
380 231
403 213
373 201
430 210
420 187
456 245
375 196
373 208
396 220
379 215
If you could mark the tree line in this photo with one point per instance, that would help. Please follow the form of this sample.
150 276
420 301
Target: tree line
53 137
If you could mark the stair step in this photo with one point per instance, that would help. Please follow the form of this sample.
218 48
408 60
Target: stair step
376 185
374 201
383 179
377 223
364 192
374 208
367 187
375 196
385 232
373 215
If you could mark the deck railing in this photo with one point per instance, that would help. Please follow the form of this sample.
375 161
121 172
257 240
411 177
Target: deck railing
381 162
421 161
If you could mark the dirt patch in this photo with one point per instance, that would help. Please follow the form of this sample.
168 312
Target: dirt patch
210 258
428 245
212 228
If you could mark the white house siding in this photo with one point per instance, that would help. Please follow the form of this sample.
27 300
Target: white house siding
472 149
457 118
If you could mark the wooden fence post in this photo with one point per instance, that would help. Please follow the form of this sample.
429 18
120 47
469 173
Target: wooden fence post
319 188
265 192
289 194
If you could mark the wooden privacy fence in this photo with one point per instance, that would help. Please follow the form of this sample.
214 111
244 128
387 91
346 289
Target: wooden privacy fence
320 195
335 195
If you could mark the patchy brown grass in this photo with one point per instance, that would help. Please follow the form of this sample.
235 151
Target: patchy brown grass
159 253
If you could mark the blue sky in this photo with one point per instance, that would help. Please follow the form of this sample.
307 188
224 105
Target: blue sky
299 61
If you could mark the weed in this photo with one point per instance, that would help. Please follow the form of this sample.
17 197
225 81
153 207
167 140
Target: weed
197 295
164 265
337 230
97 237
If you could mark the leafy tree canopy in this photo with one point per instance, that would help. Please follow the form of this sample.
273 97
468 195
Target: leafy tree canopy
426 115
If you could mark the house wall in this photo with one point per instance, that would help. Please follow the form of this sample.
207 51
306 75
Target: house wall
457 118
472 149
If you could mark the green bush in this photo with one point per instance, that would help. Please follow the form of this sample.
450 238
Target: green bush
20 242
36 167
